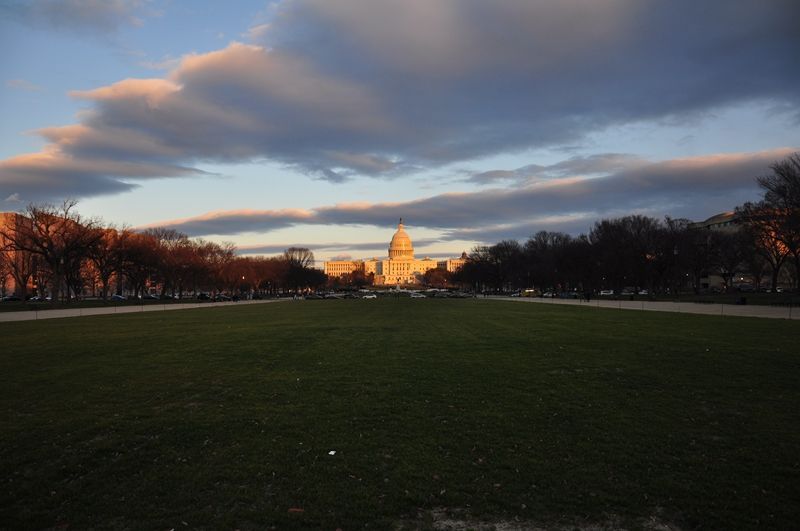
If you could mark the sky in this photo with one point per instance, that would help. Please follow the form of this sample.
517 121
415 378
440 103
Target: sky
320 123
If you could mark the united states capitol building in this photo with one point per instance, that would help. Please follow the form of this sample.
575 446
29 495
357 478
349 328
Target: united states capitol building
399 268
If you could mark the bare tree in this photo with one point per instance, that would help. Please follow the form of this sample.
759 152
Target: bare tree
60 237
764 224
782 200
171 249
108 256
16 262
299 256
5 271
436 278
729 254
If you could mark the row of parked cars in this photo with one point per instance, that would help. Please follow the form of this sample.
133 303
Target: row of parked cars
33 298
366 294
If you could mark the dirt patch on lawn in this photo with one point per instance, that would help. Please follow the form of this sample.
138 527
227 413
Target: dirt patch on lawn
460 520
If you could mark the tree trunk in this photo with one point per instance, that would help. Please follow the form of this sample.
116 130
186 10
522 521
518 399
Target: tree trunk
55 288
775 273
104 288
796 269
20 285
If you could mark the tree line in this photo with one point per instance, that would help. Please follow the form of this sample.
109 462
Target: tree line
64 256
661 256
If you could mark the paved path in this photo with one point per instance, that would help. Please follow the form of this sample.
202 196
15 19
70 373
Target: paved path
35 315
771 312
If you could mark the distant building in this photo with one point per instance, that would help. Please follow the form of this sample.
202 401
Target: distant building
399 268
14 263
727 221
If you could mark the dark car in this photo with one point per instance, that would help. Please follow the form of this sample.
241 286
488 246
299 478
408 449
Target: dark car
203 297
11 298
118 298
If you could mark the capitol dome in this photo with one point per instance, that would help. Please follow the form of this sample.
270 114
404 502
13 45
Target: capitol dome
401 247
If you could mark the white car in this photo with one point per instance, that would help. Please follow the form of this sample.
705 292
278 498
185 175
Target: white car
606 292
370 296
418 296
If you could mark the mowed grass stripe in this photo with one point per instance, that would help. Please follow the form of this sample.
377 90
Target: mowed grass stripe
224 418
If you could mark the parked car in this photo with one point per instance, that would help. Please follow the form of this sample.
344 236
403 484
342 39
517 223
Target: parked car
11 298
203 297
417 296
118 298
606 292
370 296
548 295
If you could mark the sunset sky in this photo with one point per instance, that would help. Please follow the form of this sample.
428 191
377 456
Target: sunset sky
321 122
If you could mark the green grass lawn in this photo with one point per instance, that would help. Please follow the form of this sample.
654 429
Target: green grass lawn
225 418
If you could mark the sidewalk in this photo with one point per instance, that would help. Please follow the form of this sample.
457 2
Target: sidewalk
35 315
770 312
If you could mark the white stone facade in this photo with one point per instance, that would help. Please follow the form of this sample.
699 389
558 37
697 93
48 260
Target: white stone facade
399 268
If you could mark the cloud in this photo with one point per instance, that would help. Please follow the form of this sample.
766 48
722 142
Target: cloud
336 89
274 248
23 84
601 163
256 33
52 174
695 187
166 63
96 16
238 221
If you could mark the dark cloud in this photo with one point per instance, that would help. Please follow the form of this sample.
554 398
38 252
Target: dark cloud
44 176
385 87
601 163
574 225
695 188
329 247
